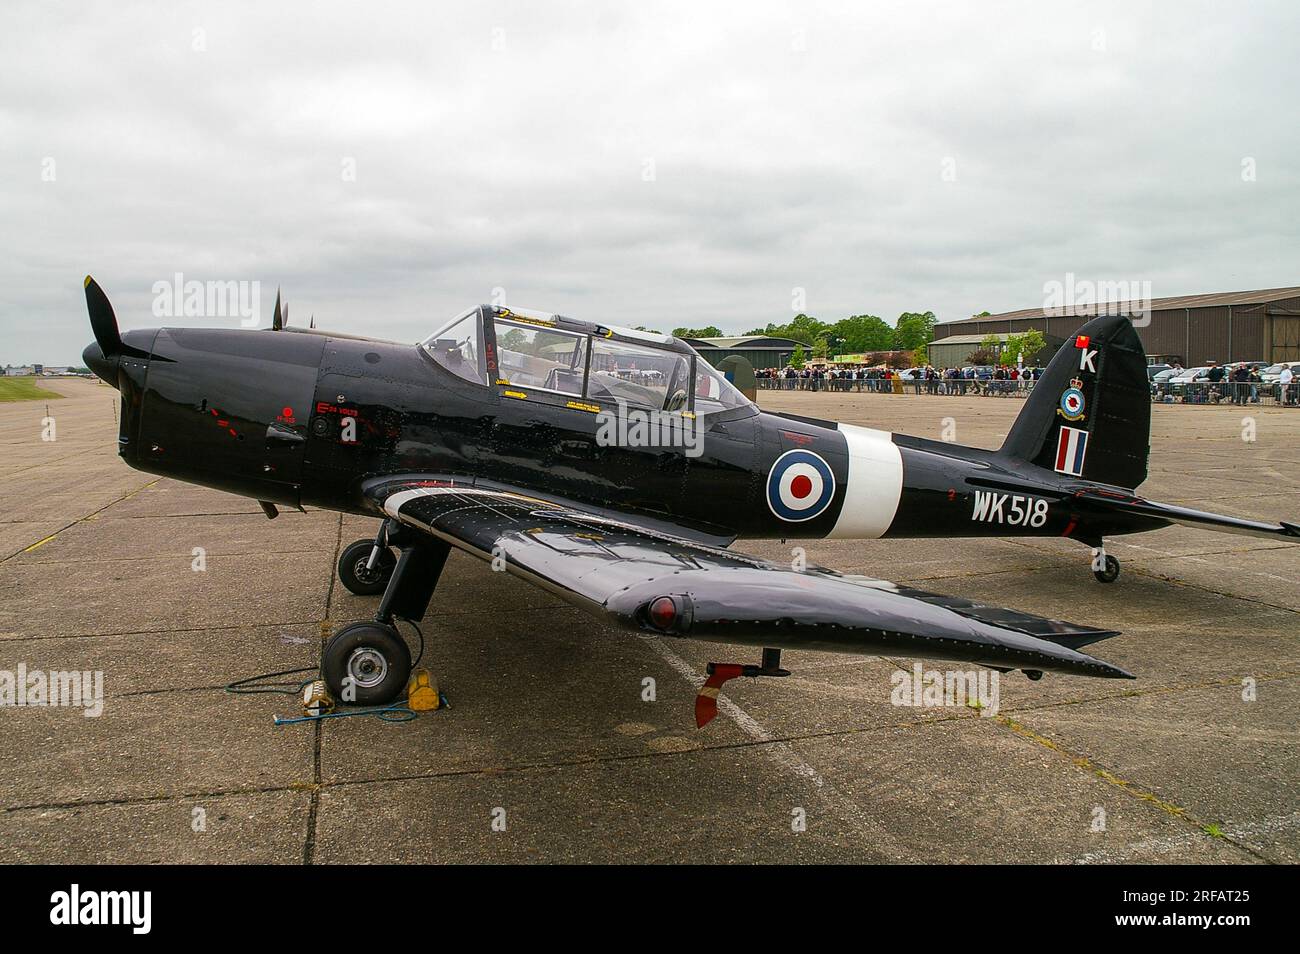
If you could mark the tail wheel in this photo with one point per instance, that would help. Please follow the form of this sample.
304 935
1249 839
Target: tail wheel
357 576
1110 572
366 664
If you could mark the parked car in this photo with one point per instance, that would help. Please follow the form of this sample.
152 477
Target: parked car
1160 380
1229 368
1154 369
1179 382
1270 374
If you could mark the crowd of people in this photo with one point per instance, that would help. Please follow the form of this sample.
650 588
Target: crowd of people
1240 383
1237 383
923 380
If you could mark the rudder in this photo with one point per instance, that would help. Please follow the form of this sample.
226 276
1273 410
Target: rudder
1089 415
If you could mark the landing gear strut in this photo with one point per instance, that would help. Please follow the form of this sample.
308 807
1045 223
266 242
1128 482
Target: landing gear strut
706 702
368 663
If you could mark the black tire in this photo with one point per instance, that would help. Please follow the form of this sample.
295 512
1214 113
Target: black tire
1111 573
371 658
354 575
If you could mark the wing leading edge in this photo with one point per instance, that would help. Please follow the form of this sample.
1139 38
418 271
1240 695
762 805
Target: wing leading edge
619 571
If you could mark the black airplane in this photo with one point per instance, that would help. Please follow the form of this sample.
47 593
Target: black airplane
615 467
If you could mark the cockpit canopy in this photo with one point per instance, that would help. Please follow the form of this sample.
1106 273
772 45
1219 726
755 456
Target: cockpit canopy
535 351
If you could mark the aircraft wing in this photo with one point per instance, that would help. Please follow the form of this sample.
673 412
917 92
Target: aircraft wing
623 572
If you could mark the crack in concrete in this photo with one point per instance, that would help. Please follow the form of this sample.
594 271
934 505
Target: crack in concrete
80 519
1099 771
313 808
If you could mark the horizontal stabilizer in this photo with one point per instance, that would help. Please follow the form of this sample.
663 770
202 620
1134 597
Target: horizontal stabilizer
1189 517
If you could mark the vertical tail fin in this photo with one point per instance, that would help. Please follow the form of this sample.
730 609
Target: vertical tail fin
1089 415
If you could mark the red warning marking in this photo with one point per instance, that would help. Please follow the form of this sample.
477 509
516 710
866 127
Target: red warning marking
324 407
706 702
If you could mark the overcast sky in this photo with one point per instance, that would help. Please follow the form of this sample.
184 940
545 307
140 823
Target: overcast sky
643 163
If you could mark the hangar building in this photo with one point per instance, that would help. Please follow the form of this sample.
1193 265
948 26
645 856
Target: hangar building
761 351
1261 325
953 350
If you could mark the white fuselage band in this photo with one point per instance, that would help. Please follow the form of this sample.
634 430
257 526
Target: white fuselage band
874 485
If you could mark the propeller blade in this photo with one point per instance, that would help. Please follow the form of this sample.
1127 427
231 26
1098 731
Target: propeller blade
277 322
105 355
102 320
286 312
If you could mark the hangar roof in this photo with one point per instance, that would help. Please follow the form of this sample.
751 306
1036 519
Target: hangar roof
1213 299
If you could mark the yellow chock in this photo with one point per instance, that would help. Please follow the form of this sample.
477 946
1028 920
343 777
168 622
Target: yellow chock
422 692
316 699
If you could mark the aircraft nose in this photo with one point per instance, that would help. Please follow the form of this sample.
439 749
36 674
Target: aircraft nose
103 366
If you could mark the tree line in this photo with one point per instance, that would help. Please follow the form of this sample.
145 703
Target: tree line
856 334
864 334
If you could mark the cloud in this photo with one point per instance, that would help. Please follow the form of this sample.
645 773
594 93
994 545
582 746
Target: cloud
656 164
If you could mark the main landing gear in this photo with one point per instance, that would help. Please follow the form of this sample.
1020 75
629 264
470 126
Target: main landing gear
368 663
706 702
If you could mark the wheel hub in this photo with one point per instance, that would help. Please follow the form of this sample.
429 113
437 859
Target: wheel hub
368 574
367 667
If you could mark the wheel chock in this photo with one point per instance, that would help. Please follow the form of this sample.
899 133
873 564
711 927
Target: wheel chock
316 699
422 693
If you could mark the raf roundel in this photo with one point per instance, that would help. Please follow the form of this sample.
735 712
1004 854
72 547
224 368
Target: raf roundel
800 486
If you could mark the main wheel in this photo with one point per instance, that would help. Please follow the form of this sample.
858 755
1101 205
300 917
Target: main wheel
360 579
1111 572
366 664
